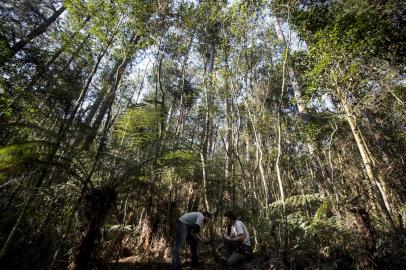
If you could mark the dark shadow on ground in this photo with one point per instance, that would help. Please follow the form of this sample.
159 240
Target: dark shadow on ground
157 266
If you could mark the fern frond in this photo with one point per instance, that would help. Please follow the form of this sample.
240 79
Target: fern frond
298 201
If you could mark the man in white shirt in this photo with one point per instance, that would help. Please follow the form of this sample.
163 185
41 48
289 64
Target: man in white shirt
237 240
188 228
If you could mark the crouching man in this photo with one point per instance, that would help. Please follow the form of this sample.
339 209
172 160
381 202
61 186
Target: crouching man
188 228
237 246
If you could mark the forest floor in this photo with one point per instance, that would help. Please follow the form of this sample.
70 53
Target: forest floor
274 263
159 266
133 263
209 258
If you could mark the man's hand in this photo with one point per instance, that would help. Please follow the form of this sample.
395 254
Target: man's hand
220 246
205 240
201 238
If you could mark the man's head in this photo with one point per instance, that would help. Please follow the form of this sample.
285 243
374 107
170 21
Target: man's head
207 216
229 218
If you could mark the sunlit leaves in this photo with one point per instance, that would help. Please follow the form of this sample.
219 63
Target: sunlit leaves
138 126
16 157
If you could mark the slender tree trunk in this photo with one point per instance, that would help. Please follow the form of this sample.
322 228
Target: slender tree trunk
76 53
7 243
113 81
332 180
179 124
259 156
83 93
279 145
60 243
63 48
367 162
229 145
279 132
42 28
297 90
207 131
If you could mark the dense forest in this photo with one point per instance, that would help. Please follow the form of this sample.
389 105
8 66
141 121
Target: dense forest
119 116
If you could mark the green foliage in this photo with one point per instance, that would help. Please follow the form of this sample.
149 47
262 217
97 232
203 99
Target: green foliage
19 156
5 102
4 49
292 203
317 131
152 150
347 29
355 32
181 162
178 158
312 226
138 126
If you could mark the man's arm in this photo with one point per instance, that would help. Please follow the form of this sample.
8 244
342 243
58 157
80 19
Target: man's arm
201 238
240 233
238 238
198 235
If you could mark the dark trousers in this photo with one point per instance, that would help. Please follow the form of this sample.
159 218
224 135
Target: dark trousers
233 254
183 232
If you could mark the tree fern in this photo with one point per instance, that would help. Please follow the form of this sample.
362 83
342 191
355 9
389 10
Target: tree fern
297 202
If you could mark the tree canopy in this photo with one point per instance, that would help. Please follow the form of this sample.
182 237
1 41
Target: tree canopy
118 116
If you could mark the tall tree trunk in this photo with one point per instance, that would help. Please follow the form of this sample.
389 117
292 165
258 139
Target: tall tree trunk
229 162
321 170
297 90
279 145
113 82
83 93
207 131
259 158
94 108
366 159
180 122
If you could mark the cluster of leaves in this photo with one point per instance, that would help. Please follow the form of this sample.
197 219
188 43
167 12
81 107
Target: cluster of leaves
313 228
